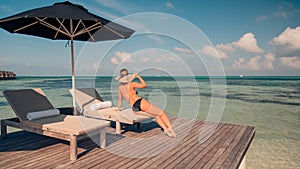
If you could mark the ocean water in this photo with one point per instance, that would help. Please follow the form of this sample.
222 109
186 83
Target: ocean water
272 104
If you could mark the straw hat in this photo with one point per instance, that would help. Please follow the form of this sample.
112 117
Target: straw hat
125 78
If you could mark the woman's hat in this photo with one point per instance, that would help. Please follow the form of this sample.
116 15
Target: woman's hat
125 78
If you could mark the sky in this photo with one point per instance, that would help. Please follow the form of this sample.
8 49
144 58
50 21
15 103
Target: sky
216 37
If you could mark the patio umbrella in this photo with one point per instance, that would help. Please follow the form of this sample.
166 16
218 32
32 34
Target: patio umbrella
65 21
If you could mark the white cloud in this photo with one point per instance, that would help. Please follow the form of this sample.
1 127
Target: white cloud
211 51
292 62
251 64
114 60
116 5
248 43
256 63
121 57
155 56
169 5
261 18
145 59
182 50
225 47
156 38
281 14
269 59
284 10
95 66
289 39
220 51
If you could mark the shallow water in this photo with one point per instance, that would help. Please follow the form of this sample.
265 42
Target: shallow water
272 104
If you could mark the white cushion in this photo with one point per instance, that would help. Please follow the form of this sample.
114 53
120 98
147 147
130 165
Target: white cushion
101 105
42 114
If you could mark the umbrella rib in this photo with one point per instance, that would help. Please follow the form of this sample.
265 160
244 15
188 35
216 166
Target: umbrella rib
52 27
114 31
10 19
77 25
61 24
26 26
59 29
87 30
84 31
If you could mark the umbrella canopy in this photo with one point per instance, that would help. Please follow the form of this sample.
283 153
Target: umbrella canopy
65 21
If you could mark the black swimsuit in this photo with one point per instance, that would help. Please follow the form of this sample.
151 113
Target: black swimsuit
137 105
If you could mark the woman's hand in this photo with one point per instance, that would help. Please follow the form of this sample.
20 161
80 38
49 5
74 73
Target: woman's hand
135 75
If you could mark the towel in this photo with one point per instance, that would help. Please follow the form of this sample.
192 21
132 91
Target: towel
41 114
101 105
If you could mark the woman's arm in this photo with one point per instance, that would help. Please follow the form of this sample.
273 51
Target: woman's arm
120 99
142 82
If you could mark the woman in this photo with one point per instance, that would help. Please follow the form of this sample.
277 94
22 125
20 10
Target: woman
127 91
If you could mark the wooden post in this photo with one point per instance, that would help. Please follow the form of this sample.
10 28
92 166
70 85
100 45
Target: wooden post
103 137
73 147
3 129
118 127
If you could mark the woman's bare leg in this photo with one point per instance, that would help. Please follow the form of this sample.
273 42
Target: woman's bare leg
160 117
165 119
160 122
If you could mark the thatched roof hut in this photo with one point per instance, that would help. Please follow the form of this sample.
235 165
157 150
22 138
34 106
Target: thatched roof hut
6 75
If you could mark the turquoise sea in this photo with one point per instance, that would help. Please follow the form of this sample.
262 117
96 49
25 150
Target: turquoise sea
272 104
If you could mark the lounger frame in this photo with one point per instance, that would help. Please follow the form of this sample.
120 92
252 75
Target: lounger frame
71 137
106 114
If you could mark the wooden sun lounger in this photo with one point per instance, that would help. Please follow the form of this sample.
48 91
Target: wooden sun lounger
64 127
85 97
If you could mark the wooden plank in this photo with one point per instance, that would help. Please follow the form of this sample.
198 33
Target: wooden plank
158 142
62 157
242 147
108 156
232 155
147 147
187 156
90 158
151 148
28 156
18 143
219 153
203 148
212 149
47 158
207 147
165 155
226 148
46 155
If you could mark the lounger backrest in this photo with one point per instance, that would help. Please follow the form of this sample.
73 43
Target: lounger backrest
27 100
85 97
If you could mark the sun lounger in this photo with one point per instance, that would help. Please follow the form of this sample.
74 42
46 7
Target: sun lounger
85 97
65 127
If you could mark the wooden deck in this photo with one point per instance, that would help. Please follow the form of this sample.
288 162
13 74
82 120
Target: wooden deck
199 144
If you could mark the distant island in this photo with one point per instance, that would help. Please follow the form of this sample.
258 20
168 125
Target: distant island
7 75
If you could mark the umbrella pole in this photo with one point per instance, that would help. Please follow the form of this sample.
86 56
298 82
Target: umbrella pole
73 78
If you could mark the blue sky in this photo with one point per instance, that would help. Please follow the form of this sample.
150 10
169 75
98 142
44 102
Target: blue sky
178 37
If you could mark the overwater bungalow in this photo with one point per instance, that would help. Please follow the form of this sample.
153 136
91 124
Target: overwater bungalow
7 75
